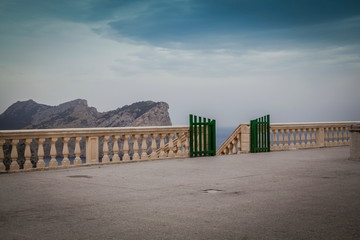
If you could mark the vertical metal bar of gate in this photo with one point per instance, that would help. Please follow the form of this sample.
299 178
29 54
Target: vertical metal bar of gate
268 132
191 133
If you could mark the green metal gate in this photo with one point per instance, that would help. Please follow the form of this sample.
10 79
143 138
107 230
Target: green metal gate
260 134
202 136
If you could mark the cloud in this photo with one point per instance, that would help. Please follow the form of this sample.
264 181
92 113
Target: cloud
229 60
219 24
200 24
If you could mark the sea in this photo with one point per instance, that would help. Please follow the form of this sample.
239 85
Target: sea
222 133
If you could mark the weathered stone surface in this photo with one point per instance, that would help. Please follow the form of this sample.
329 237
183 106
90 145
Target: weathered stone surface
355 142
77 114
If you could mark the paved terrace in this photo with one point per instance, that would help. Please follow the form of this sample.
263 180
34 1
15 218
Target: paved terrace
303 194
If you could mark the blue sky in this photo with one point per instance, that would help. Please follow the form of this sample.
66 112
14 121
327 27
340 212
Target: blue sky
229 60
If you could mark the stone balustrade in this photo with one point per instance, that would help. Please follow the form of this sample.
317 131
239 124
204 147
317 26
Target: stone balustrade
59 148
288 136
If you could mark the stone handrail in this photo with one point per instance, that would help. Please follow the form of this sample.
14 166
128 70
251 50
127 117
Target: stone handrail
237 142
58 148
287 136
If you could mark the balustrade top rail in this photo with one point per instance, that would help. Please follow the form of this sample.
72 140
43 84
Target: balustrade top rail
312 124
35 133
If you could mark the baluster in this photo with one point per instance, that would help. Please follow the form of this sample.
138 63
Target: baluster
233 150
27 163
292 139
105 158
336 135
53 163
14 166
171 153
308 137
144 155
332 135
2 165
40 163
236 145
302 137
187 144
179 151
327 136
136 155
126 156
347 136
282 139
116 158
66 161
162 146
313 137
230 148
77 160
286 138
341 133
278 139
297 137
274 140
153 154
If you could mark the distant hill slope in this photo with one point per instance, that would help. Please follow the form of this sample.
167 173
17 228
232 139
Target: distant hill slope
77 114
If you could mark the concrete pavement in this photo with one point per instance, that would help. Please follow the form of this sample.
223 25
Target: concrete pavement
303 194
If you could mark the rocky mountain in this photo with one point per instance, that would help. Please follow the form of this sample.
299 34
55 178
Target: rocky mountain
77 114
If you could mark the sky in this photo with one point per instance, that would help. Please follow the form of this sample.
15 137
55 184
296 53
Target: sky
229 60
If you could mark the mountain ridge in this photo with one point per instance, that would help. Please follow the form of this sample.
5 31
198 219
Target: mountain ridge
77 114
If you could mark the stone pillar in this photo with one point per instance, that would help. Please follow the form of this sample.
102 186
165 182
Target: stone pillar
245 138
320 137
92 150
355 142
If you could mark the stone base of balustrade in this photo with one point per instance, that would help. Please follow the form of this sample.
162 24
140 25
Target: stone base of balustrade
298 147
